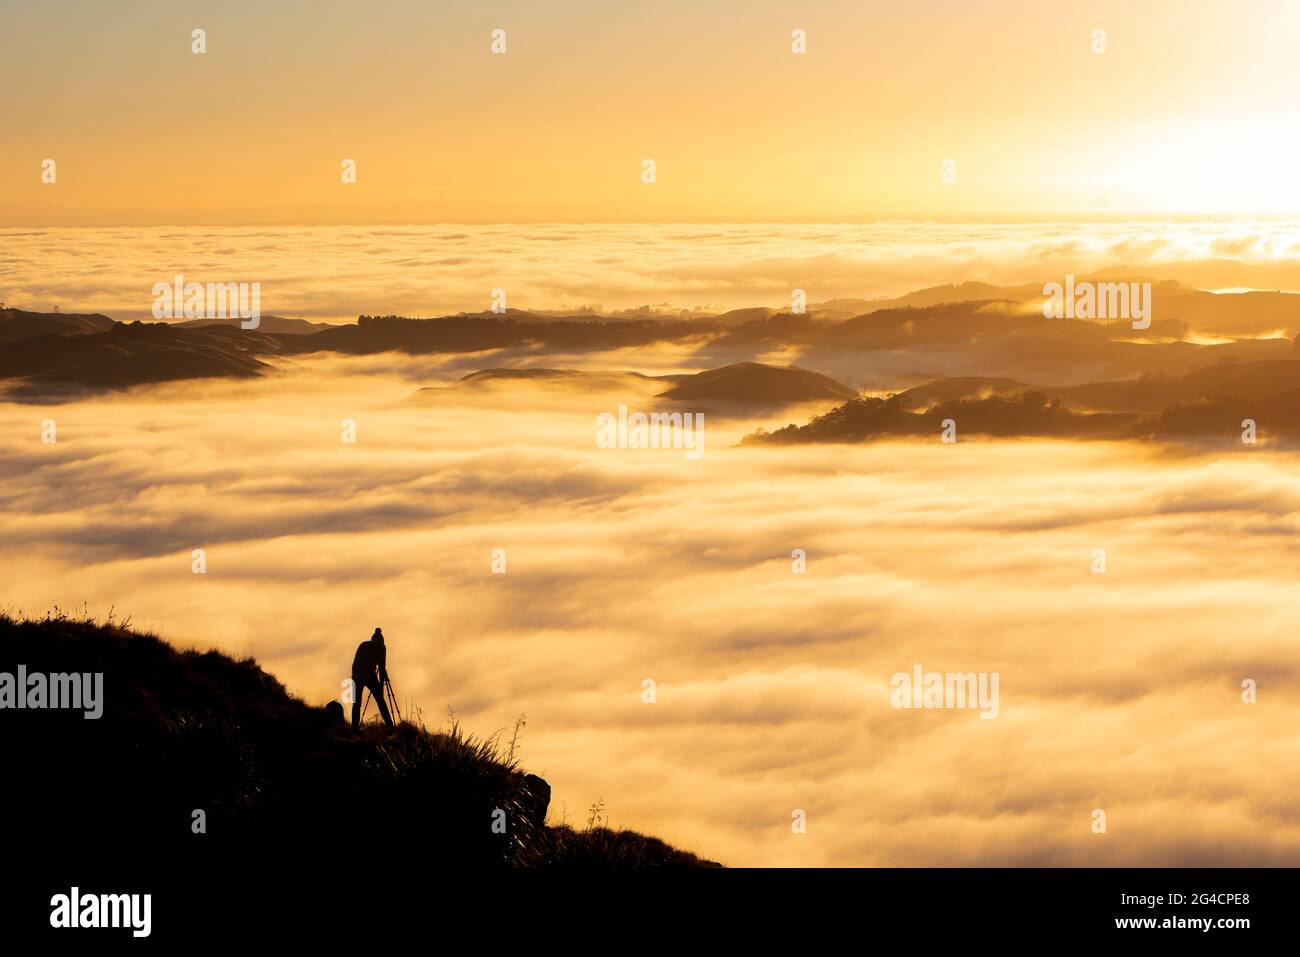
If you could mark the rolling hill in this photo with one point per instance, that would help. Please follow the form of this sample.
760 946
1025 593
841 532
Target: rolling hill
753 383
127 355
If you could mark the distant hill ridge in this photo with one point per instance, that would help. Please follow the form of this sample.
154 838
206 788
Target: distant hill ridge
123 355
18 324
756 383
748 383
1206 404
1003 335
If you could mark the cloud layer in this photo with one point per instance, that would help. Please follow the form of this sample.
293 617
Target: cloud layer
338 273
1119 692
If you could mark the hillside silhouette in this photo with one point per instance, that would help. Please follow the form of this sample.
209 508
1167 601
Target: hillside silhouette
963 343
184 731
81 357
566 378
1145 394
1207 404
455 334
1255 312
742 383
754 383
1022 414
18 324
273 325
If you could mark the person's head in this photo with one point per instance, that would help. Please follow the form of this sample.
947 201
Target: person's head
377 636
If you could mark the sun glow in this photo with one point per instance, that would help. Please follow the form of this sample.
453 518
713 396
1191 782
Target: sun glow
1227 166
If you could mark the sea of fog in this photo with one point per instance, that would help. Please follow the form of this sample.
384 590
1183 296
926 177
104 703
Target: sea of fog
1118 691
336 273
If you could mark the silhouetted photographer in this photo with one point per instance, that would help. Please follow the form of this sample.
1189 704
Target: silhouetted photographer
370 672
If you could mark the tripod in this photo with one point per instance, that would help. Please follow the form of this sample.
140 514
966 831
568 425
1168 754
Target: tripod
392 699
389 696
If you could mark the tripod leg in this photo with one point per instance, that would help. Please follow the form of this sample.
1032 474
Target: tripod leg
388 686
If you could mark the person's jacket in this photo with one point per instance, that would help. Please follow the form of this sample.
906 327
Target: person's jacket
371 657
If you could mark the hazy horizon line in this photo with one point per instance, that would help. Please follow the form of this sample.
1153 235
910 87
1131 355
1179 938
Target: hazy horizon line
985 219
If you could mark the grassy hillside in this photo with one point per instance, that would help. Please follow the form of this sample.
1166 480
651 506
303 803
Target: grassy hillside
280 781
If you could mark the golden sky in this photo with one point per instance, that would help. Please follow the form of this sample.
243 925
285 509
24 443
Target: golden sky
1190 109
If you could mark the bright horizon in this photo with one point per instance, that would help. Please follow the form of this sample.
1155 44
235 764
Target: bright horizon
335 273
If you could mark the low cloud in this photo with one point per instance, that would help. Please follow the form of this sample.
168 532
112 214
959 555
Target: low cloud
1119 692
337 273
